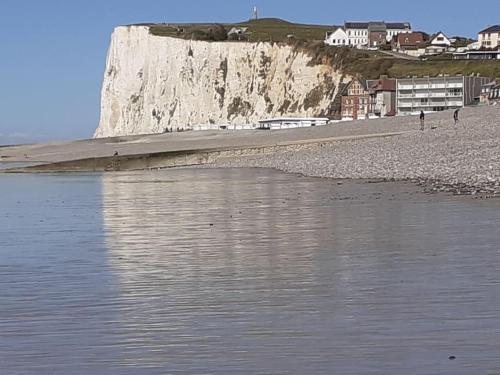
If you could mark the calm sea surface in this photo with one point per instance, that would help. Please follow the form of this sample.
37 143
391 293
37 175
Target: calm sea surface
244 272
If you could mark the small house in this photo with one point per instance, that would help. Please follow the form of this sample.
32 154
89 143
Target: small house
238 33
439 43
490 37
338 37
383 94
413 44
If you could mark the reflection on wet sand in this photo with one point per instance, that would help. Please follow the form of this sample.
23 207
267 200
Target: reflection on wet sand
254 271
244 272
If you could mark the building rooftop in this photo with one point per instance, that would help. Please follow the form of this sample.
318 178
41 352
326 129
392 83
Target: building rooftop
410 39
377 26
385 85
388 25
356 25
334 28
491 29
398 25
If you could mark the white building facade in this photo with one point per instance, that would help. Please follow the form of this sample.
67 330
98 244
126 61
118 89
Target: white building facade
440 39
357 34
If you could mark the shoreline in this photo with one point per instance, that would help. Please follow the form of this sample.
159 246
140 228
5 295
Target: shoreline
462 160
424 186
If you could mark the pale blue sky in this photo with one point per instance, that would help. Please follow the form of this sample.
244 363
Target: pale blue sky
52 52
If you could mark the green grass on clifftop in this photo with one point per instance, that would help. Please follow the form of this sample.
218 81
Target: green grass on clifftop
309 39
373 64
262 30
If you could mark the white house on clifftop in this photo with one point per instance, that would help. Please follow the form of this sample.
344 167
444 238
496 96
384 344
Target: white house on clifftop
337 38
364 34
490 37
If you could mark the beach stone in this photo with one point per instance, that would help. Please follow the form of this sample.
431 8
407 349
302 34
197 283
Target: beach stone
460 160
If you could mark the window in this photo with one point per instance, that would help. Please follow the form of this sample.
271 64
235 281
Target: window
455 92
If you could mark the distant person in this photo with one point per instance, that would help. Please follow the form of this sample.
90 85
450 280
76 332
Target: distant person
422 120
455 117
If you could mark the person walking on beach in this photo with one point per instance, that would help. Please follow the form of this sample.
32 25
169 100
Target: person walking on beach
455 117
422 120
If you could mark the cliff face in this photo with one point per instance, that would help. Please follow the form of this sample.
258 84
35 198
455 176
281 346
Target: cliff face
152 83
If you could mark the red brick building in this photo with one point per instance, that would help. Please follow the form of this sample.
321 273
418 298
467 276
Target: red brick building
356 100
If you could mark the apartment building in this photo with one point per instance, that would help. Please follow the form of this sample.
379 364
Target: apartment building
432 94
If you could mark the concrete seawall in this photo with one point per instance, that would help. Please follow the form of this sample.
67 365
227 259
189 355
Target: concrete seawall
180 158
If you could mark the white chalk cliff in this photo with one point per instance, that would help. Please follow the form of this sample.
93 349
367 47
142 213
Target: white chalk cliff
152 83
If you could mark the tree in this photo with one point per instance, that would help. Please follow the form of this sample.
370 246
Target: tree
218 33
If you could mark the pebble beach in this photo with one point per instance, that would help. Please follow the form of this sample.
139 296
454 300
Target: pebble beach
462 159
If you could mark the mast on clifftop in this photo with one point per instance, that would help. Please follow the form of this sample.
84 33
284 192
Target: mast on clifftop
255 14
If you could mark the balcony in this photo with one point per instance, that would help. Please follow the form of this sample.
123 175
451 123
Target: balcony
405 104
437 94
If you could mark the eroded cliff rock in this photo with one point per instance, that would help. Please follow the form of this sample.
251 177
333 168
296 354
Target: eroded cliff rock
154 83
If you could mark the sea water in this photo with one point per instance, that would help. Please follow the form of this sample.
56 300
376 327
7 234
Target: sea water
244 271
